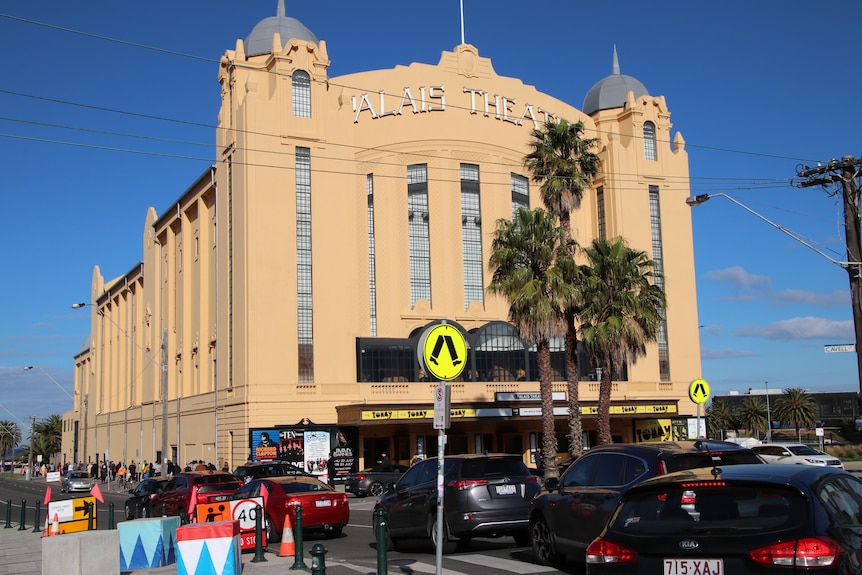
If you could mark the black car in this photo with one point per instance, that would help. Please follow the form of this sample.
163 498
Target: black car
258 469
138 502
569 512
373 481
736 520
485 495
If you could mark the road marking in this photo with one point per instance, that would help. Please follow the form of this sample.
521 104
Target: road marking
413 566
502 564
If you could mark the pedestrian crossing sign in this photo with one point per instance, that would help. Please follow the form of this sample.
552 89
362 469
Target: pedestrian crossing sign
443 351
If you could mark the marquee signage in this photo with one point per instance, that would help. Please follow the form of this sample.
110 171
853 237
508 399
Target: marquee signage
384 414
433 99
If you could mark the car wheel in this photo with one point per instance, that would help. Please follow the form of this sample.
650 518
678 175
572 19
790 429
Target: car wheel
129 513
447 545
542 542
333 531
376 489
272 535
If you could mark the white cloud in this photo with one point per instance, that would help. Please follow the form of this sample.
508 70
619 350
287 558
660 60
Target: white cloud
741 279
724 353
794 297
800 328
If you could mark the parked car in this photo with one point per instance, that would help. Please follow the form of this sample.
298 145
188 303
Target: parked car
185 491
76 481
138 502
742 520
373 481
257 469
484 496
323 508
571 511
797 453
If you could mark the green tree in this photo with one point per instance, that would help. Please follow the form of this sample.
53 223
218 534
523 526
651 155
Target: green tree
719 417
562 162
49 437
798 407
752 414
622 313
524 258
10 438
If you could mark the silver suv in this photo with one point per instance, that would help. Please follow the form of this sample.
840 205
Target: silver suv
485 495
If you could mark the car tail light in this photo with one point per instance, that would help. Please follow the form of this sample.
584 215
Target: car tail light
465 484
808 552
662 467
603 551
360 478
532 479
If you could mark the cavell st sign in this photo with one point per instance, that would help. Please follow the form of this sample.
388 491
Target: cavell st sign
840 348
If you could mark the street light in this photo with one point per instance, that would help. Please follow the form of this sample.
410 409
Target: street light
48 375
163 367
768 414
853 269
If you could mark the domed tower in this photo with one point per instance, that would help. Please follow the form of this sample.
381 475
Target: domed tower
260 40
644 181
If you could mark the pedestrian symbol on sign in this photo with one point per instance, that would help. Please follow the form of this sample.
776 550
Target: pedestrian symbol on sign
698 391
443 351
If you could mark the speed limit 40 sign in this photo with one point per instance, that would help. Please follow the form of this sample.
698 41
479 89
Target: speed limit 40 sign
245 511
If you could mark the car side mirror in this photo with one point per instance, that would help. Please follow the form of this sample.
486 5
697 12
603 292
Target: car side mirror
552 483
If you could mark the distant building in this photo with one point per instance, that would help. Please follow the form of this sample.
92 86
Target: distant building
833 407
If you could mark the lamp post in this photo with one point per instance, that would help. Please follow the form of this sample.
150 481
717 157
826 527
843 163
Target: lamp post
853 269
163 368
768 415
48 375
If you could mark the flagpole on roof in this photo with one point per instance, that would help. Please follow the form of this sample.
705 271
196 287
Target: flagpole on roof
462 21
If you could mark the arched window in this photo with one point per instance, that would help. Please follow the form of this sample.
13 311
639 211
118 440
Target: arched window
301 94
649 142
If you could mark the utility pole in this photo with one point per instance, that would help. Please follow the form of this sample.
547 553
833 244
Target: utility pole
845 172
29 475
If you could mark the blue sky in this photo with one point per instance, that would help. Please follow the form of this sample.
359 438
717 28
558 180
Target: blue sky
756 89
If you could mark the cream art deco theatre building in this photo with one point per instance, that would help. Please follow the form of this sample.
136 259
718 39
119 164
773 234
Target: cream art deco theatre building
285 291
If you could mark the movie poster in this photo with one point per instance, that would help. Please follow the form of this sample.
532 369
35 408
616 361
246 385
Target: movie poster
265 444
342 460
317 452
293 447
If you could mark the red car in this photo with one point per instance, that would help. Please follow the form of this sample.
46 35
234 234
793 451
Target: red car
185 491
323 508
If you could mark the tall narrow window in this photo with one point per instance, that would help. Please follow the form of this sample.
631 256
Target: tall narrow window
417 227
471 234
304 316
520 193
650 154
657 256
600 213
301 94
372 264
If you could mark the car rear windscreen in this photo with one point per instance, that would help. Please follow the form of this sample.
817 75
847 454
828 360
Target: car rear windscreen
683 461
689 510
488 468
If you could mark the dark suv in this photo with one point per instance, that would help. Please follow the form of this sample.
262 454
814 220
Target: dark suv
569 512
258 469
484 496
185 491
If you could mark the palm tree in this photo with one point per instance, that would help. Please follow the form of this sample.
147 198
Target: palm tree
10 437
561 161
798 407
622 313
524 258
752 414
719 417
49 433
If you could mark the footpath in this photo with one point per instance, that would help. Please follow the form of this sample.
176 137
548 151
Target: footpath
21 554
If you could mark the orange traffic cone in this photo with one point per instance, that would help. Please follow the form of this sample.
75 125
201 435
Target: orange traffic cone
288 546
55 526
46 531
